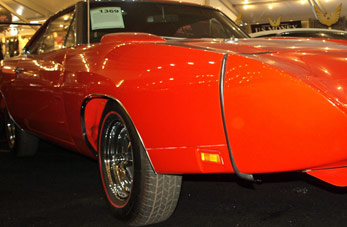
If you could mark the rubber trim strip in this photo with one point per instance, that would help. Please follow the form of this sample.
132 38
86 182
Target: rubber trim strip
244 176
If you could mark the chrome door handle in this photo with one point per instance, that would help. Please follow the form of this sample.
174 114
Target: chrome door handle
18 70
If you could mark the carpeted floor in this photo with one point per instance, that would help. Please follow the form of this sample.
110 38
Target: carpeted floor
60 188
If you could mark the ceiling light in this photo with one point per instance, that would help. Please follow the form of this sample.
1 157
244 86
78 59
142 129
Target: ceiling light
270 6
13 30
245 6
15 18
19 11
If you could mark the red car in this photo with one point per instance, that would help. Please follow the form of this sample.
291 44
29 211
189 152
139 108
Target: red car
154 90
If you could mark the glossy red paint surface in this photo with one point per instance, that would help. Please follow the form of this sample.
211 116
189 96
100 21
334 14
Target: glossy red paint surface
155 86
284 100
133 37
281 121
334 174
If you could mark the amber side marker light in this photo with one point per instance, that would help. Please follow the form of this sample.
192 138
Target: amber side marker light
208 157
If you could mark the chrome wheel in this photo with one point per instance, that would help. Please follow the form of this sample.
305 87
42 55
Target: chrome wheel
11 133
117 159
137 194
20 142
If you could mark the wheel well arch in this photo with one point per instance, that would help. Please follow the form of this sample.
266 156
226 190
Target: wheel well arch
91 112
4 108
2 101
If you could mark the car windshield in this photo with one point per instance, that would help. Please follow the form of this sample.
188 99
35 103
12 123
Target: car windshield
163 19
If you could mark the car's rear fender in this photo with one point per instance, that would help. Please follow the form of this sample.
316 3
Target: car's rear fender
91 112
171 95
278 122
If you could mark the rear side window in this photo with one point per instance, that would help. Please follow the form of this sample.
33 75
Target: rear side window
71 37
54 36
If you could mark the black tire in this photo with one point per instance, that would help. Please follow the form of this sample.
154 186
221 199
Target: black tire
19 142
136 194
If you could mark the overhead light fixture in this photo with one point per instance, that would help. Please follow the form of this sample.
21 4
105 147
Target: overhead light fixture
37 21
245 6
270 6
303 2
15 18
19 11
13 30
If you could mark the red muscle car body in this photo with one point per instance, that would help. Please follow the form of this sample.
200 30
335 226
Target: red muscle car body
196 104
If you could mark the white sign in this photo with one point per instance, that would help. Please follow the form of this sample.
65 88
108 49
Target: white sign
106 17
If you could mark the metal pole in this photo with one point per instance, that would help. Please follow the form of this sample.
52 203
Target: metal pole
313 10
312 4
88 22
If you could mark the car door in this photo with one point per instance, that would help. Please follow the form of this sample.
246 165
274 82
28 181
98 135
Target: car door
39 77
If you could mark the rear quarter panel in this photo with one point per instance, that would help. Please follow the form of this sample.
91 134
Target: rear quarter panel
171 94
278 122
